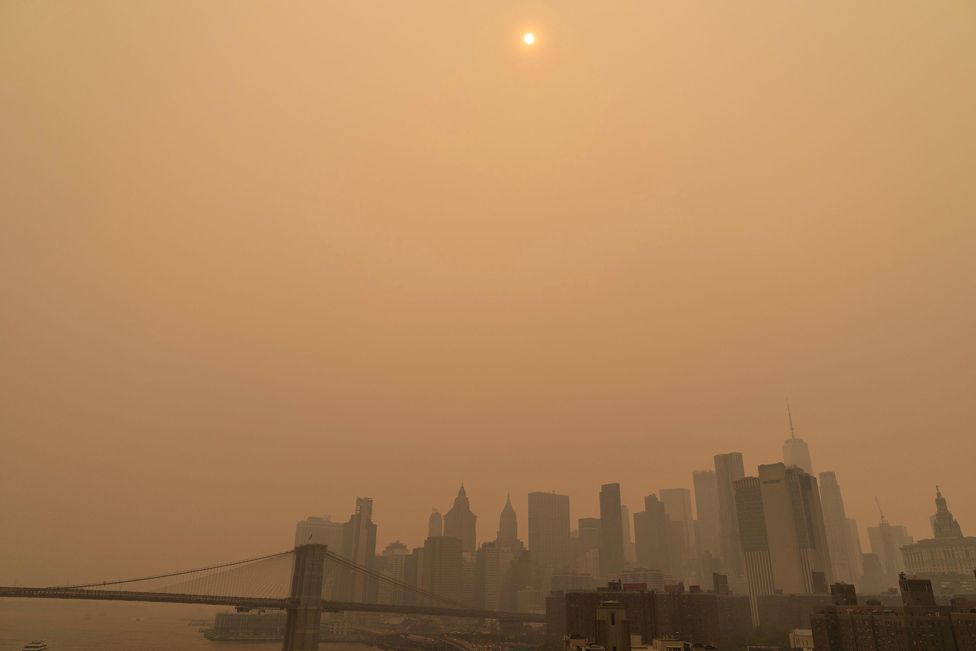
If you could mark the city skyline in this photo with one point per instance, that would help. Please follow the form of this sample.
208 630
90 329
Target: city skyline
258 261
413 535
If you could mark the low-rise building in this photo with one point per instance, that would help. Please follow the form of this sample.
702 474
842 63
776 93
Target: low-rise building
698 617
920 623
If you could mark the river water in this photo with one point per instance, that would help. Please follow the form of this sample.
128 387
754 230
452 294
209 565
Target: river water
118 626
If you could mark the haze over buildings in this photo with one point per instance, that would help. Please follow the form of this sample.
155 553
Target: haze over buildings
257 260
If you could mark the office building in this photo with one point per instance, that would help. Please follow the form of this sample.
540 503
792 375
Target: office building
708 530
359 546
729 469
782 533
588 534
443 570
628 539
392 564
320 531
677 504
611 531
651 529
549 531
435 524
795 450
844 557
887 541
508 525
460 522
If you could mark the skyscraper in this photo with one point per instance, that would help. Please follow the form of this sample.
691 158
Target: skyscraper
944 525
628 539
709 529
549 538
754 542
797 453
728 469
507 525
489 575
651 536
435 524
323 531
586 552
392 563
359 546
677 504
886 542
320 531
460 522
589 534
443 569
795 450
854 542
787 506
611 531
843 556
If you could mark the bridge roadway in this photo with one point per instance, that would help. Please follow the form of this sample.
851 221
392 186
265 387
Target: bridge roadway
260 602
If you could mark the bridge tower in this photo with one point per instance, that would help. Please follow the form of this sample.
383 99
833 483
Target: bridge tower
305 604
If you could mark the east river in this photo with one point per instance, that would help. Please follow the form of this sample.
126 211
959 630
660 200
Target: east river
113 626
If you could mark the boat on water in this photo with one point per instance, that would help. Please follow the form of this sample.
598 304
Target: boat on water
35 646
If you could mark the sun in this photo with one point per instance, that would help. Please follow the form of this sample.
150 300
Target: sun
528 38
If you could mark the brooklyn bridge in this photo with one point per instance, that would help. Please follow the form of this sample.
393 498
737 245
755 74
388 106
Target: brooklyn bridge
292 581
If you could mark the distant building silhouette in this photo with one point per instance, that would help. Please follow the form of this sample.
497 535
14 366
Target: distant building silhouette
442 569
435 524
460 522
797 453
586 551
677 504
873 578
795 450
359 546
845 553
323 531
626 534
589 533
392 563
887 541
611 531
728 469
508 525
549 531
320 531
493 561
708 530
944 525
651 536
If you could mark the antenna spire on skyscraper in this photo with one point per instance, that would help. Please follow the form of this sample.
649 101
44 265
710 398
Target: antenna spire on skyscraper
789 414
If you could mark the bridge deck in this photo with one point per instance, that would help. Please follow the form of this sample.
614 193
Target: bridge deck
259 602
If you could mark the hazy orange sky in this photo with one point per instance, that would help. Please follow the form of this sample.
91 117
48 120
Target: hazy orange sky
257 259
